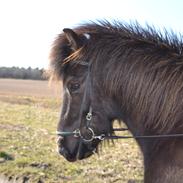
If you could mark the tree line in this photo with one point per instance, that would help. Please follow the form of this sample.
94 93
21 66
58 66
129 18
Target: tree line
22 73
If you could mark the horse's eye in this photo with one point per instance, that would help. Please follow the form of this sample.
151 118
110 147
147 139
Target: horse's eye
74 86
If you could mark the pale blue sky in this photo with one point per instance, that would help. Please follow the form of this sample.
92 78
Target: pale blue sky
28 27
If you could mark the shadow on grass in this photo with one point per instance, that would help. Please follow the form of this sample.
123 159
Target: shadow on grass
135 181
5 157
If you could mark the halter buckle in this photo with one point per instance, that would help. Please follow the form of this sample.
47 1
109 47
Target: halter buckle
89 116
77 133
100 137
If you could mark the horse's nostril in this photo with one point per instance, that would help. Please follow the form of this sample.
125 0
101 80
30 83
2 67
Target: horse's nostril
63 151
59 140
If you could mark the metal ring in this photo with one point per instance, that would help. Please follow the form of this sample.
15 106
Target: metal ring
92 137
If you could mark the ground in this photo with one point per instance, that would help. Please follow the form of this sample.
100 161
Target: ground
28 117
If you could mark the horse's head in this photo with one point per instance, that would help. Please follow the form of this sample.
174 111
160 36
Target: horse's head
86 112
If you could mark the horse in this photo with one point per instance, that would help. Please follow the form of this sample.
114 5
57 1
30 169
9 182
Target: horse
125 72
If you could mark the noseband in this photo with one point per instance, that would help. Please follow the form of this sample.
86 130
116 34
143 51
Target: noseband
91 135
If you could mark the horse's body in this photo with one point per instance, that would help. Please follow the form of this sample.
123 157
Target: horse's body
136 77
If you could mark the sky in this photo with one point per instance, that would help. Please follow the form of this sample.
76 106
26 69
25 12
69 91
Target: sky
28 27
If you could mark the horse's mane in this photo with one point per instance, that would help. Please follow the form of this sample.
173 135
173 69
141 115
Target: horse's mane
143 68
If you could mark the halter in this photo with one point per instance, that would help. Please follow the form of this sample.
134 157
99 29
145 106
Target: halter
92 136
77 133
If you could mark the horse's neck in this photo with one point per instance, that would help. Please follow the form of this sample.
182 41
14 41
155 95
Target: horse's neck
164 165
145 115
163 162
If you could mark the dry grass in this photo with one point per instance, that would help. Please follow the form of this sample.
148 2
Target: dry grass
20 87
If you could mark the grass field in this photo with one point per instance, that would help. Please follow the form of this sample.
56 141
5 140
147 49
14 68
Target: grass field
28 117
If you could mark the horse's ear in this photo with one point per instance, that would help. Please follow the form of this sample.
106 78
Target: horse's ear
72 38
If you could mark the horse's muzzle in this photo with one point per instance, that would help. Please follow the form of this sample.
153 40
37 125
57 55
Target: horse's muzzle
63 151
80 152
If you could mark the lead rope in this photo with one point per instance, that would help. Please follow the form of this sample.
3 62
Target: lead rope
144 136
101 137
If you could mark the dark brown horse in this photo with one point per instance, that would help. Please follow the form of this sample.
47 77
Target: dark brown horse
127 73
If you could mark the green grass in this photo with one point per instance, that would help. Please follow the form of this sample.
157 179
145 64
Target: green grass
26 127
